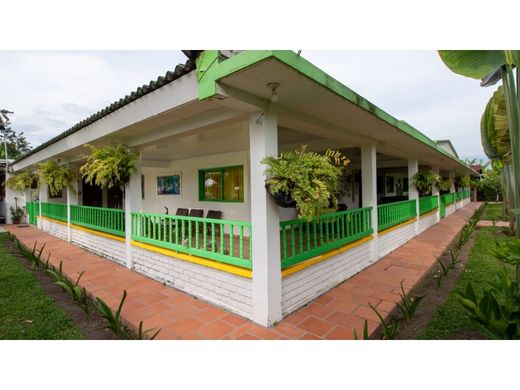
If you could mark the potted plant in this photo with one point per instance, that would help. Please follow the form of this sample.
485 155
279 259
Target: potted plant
109 166
56 176
424 181
16 214
304 179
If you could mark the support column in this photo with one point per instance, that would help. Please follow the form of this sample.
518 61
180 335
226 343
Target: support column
453 189
133 202
44 197
28 198
265 220
369 191
435 191
72 199
413 168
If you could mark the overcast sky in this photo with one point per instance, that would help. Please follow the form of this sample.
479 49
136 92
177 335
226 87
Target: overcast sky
51 91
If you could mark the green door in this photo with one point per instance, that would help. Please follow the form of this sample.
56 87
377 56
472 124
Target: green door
442 208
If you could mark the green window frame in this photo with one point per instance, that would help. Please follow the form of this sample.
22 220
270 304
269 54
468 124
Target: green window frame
223 172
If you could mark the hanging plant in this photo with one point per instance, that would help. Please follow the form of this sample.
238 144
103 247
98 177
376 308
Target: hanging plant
443 184
22 181
465 181
56 176
424 181
109 166
304 179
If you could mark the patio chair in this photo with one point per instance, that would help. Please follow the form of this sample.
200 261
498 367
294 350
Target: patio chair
197 213
214 214
182 212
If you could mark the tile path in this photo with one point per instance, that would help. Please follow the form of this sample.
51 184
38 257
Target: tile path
333 315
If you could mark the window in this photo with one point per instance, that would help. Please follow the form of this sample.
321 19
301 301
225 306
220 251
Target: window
222 184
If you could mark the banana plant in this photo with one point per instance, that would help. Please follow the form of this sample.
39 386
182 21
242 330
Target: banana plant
492 66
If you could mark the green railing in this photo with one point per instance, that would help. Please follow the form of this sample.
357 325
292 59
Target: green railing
448 198
428 203
56 211
459 196
105 220
302 240
32 210
220 240
392 214
467 194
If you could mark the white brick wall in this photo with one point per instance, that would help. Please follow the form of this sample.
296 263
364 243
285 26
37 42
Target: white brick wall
450 209
108 248
56 229
302 287
229 291
394 239
427 222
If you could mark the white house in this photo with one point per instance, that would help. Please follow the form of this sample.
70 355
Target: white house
201 132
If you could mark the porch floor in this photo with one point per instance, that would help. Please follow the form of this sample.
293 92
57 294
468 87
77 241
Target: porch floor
333 315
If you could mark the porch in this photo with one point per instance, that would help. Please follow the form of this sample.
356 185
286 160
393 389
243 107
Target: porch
333 315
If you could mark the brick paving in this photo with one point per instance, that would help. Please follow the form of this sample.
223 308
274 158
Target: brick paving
331 316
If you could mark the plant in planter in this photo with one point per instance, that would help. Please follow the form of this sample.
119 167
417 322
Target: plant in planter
424 182
22 181
304 179
465 181
56 176
16 214
443 184
109 166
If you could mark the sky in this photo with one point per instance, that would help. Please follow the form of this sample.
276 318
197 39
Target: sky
50 91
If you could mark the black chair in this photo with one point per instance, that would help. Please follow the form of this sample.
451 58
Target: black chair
182 212
214 214
342 207
197 213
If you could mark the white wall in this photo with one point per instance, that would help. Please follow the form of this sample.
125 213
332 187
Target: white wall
189 198
394 239
427 221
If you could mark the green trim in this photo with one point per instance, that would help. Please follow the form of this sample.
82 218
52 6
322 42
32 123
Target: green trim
222 171
302 240
102 219
392 214
428 203
210 70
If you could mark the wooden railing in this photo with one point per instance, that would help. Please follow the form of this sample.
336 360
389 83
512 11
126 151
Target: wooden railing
103 219
428 203
392 214
56 211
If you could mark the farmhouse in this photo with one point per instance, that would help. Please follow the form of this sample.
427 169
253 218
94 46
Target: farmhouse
196 214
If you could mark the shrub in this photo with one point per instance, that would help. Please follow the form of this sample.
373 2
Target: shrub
55 176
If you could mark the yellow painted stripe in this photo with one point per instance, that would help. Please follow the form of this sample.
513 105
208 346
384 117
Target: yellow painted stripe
318 259
428 213
232 269
97 233
411 220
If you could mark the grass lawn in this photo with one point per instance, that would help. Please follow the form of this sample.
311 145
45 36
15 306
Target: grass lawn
25 311
451 318
493 211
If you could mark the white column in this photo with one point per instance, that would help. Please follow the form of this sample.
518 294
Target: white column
453 189
413 168
267 277
72 199
369 190
44 197
28 198
435 191
133 202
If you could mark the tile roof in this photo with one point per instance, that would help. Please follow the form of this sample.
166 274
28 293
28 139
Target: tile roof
179 71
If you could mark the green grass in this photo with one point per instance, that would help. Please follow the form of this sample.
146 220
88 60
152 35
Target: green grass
451 318
493 211
26 313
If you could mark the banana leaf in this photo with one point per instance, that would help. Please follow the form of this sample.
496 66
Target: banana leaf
477 64
494 128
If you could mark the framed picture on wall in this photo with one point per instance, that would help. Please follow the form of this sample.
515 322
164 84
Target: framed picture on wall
169 184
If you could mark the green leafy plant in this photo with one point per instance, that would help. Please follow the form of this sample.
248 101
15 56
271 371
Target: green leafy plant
78 293
113 318
391 330
109 166
56 176
55 274
365 332
465 181
16 214
22 181
408 305
443 184
145 335
445 268
310 178
424 181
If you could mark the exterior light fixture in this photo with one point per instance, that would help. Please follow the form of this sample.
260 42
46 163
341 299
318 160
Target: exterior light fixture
273 87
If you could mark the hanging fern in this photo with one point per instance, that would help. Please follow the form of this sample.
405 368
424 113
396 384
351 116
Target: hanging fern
310 178
443 184
56 176
424 181
465 181
22 181
109 166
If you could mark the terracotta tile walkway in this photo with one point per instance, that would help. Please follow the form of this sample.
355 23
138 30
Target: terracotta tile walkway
334 315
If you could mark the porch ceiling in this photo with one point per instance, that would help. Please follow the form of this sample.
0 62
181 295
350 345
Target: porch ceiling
309 107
